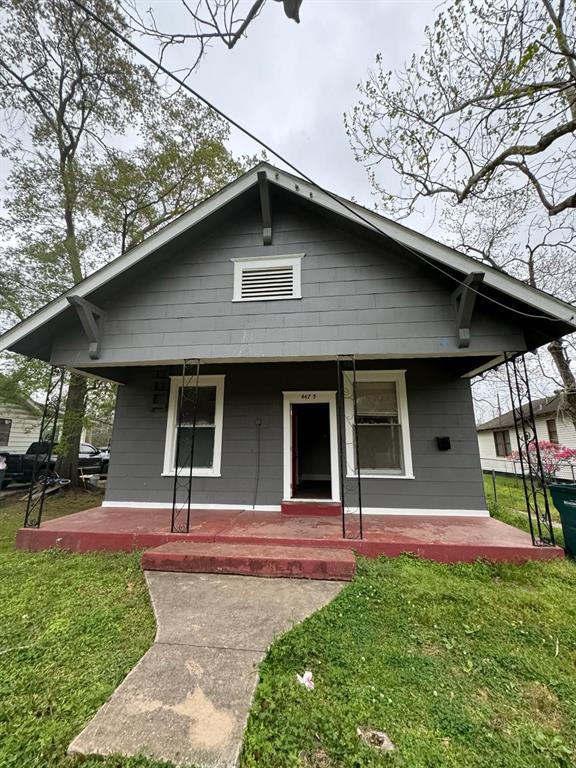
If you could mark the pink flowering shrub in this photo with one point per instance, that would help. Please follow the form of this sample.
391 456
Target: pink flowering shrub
552 456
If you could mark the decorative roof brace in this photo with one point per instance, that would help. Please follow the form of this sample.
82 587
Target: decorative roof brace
464 299
91 318
264 190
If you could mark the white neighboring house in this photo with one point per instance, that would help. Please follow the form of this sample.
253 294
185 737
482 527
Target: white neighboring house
497 437
19 423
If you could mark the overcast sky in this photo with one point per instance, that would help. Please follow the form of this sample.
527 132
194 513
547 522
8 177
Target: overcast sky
291 83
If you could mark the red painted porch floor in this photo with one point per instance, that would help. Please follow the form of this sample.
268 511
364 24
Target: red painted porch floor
445 539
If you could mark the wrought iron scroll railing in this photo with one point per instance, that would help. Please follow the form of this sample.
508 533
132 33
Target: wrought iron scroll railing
529 458
188 392
349 449
42 461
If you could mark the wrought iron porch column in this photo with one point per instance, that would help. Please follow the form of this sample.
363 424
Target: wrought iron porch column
347 418
531 468
46 439
184 459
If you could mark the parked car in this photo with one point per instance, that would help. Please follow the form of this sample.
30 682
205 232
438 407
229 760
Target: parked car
21 467
93 460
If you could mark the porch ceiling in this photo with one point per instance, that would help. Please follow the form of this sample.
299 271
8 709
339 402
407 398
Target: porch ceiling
462 364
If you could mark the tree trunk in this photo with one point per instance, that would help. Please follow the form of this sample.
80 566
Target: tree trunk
556 349
69 443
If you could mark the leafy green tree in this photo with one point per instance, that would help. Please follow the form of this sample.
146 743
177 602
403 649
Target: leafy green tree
64 84
180 159
73 99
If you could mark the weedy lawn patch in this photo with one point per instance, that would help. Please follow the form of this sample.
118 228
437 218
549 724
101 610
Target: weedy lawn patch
71 627
465 665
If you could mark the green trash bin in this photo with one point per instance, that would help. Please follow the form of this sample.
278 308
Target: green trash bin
564 498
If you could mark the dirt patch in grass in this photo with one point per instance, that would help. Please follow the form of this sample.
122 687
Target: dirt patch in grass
543 703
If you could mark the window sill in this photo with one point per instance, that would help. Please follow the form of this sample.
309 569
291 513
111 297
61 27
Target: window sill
186 473
381 477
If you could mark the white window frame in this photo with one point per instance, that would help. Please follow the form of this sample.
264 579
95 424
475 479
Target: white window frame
399 378
263 262
171 428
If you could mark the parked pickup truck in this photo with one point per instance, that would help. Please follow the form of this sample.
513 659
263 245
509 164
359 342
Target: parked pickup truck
20 467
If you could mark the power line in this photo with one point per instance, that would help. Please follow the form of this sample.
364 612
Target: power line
183 84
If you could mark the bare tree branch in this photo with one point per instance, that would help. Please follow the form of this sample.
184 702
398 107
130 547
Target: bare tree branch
494 88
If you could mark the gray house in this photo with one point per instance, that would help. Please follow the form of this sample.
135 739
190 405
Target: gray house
268 284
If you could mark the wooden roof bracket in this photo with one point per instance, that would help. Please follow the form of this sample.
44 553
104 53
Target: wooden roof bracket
91 318
264 190
464 299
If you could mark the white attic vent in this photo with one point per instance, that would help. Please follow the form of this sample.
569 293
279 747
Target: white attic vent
265 279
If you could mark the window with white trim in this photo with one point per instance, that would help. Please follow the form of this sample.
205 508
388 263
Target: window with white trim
381 420
269 278
201 422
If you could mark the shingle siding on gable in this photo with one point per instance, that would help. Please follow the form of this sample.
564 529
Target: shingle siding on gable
356 298
439 403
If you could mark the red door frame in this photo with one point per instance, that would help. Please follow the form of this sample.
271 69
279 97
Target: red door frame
294 448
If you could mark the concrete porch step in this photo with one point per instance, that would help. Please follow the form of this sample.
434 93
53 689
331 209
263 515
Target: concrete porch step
311 508
252 560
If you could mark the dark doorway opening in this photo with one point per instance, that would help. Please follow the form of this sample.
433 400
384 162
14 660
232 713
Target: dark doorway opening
311 473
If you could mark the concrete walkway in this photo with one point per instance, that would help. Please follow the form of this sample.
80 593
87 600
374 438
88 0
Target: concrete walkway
188 698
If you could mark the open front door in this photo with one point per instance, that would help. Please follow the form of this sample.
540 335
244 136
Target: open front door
310 447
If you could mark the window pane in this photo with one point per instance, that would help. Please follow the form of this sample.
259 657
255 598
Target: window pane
502 442
5 426
552 430
203 446
206 410
498 443
380 447
377 400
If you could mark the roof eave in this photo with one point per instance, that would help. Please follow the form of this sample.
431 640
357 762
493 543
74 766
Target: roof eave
554 308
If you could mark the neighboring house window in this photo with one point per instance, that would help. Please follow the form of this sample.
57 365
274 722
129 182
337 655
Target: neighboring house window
5 428
552 430
382 424
207 433
502 442
265 279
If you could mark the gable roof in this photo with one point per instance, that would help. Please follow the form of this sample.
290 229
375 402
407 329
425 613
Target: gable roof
544 406
432 252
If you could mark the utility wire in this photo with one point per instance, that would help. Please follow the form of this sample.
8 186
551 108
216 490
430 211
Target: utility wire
183 84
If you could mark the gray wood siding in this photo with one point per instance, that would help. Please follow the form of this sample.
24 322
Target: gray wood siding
439 403
357 297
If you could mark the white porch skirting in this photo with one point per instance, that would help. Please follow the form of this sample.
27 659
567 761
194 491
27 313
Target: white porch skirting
276 508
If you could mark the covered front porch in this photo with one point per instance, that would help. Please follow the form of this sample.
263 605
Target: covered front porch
444 539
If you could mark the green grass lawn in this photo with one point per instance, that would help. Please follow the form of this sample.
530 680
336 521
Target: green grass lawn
509 505
71 627
468 665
